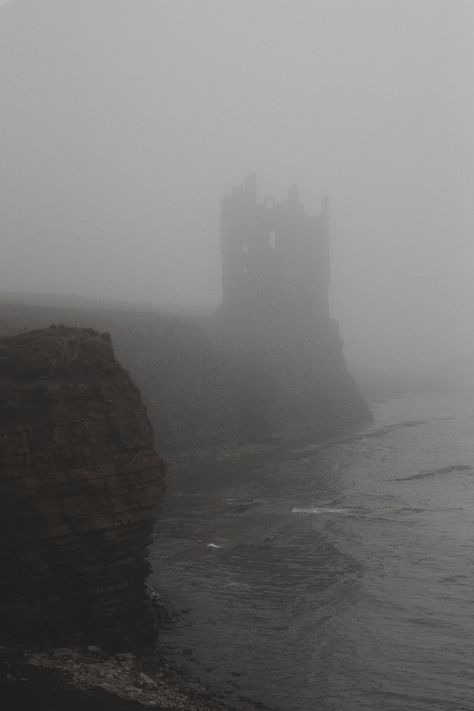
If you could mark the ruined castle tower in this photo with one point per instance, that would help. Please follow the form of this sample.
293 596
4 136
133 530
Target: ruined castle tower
283 353
275 257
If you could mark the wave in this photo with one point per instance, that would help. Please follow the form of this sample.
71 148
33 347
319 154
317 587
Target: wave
320 510
374 515
434 472
362 436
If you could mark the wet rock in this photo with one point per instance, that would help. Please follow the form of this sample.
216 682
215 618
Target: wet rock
97 652
146 682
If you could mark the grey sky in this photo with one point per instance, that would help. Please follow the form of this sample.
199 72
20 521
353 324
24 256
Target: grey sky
123 123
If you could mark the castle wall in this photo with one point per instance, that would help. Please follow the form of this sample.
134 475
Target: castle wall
270 356
283 352
275 258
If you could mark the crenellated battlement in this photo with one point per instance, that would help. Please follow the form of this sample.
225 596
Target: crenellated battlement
275 257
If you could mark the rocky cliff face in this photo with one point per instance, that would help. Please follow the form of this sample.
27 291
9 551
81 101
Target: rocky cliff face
288 376
79 483
173 360
224 379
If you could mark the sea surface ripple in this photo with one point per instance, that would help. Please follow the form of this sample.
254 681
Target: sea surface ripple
335 576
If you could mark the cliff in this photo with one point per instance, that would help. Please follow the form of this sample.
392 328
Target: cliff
288 377
221 379
79 484
173 360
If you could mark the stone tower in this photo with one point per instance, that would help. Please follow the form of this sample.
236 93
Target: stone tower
275 257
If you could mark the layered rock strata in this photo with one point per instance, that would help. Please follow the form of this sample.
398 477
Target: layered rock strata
79 484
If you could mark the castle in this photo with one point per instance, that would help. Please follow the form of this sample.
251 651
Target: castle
275 258
269 361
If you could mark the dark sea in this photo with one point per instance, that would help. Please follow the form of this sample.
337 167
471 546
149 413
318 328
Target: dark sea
334 576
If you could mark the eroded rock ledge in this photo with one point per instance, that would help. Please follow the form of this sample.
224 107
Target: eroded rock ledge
90 680
79 483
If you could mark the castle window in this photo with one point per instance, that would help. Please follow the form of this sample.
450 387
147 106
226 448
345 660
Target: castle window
272 240
245 248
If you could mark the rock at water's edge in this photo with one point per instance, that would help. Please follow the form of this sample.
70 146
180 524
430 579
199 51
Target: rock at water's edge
79 483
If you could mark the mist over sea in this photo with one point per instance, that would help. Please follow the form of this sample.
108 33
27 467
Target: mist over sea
336 576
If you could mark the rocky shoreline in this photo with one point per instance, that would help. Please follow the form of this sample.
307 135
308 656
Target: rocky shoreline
88 679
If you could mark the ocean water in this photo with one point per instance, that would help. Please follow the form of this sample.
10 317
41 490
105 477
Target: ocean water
335 576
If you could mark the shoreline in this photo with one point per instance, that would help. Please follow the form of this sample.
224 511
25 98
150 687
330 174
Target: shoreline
86 678
89 679
92 680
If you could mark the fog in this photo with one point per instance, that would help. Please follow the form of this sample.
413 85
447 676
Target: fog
123 124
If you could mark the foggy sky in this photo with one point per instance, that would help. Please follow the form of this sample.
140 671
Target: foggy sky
123 123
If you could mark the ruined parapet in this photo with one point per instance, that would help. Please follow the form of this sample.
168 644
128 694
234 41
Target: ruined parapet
275 257
80 482
283 352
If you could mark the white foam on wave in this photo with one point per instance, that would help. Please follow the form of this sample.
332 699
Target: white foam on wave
320 510
213 545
